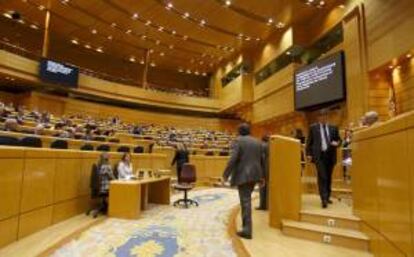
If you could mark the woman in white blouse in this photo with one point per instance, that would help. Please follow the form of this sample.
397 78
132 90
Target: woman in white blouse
125 167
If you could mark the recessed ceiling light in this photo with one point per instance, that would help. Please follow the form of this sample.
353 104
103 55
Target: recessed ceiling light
196 73
409 55
8 15
173 32
270 21
321 3
132 59
169 6
110 37
204 74
342 6
128 31
142 61
280 25
75 41
143 37
113 25
148 23
188 71
160 28
227 2
99 50
21 21
180 70
257 39
34 26
288 53
247 38
135 16
94 31
158 42
391 67
185 37
202 22
171 46
162 54
153 64
87 46
41 7
186 15
240 35
65 1
201 62
151 51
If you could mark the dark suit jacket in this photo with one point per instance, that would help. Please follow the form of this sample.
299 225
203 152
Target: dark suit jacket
314 143
265 153
246 163
180 157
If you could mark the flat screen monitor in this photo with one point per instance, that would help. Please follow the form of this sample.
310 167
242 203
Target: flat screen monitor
320 83
59 73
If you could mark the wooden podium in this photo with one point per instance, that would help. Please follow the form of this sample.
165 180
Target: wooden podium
284 180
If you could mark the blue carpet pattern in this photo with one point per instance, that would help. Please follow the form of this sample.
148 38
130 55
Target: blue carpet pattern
163 231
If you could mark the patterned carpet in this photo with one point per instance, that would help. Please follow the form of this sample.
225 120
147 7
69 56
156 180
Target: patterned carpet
163 231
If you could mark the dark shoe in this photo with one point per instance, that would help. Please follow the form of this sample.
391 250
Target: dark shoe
324 205
330 202
244 235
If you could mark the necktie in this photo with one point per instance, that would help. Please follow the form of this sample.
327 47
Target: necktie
325 137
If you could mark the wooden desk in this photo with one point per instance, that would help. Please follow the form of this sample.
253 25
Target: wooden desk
128 198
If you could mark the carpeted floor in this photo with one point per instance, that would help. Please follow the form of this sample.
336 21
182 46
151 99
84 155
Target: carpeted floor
163 231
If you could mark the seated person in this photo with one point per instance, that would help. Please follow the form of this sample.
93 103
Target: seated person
124 167
11 125
370 118
39 129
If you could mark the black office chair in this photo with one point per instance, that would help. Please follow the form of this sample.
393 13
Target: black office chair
114 140
10 141
103 148
139 149
187 180
87 147
95 185
59 144
99 138
31 142
124 149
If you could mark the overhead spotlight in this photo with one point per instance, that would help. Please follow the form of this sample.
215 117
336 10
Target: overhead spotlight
204 74
188 71
180 70
173 32
196 73
34 26
162 54
342 6
157 42
135 16
409 55
64 1
128 31
160 28
74 41
94 31
87 46
142 62
288 53
280 25
171 46
41 7
227 2
185 37
110 37
153 64
113 25
211 64
147 23
240 35
269 21
21 21
151 51
247 39
390 67
169 6
132 59
186 15
143 37
201 62
8 15
99 50
202 23
258 39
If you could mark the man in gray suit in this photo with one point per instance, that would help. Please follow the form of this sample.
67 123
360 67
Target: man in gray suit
245 169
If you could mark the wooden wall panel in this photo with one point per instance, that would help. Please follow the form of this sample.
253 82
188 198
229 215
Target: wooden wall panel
8 231
403 82
34 221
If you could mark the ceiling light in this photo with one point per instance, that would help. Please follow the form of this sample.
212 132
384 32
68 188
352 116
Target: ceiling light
188 71
157 42
171 46
110 37
143 37
34 26
247 38
211 64
128 31
75 41
148 23
342 6
202 23
153 64
257 39
196 73
186 15
169 6
280 25
132 59
41 7
180 70
21 21
65 1
142 62
240 35
135 16
228 2
201 62
8 15
113 25
151 51
391 67
162 54
94 31
269 21
161 28
321 3
204 74
409 55
99 50
288 53
173 32
185 37
87 46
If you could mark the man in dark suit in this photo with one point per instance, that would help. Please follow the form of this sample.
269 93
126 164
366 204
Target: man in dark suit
322 143
264 189
245 169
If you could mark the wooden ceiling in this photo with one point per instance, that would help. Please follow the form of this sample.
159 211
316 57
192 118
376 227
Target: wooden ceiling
195 35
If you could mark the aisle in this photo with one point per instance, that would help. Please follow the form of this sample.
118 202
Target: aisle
163 231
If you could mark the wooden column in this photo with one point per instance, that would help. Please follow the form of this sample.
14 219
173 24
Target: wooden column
146 65
46 34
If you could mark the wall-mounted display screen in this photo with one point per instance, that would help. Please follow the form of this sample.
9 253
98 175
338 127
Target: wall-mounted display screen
321 82
59 73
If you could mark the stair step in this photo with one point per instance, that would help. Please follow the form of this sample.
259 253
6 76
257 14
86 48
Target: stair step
330 235
331 219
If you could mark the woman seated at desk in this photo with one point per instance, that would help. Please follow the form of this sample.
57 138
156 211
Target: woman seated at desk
125 167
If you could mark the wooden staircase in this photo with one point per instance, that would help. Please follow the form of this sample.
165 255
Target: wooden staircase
335 225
